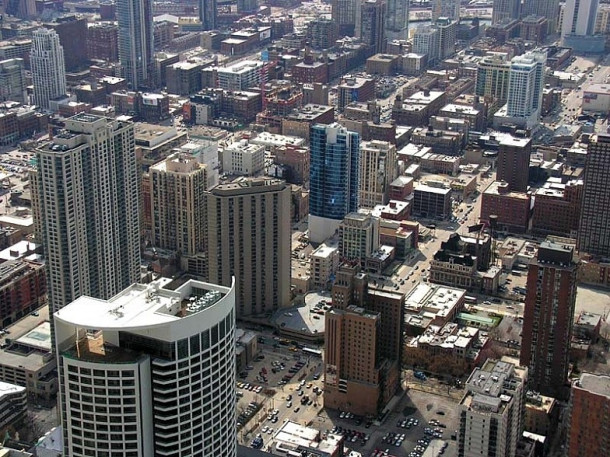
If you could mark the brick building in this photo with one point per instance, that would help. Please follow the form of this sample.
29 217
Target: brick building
22 289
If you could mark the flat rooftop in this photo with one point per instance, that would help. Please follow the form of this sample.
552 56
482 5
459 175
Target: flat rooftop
8 389
142 305
596 384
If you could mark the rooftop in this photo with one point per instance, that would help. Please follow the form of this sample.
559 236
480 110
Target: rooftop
596 384
8 389
141 306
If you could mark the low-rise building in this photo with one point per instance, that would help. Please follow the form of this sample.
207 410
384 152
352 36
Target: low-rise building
440 141
295 439
557 208
416 109
431 304
541 414
243 158
432 202
22 289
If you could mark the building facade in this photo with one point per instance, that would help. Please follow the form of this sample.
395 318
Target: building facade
371 25
359 235
48 68
492 410
136 42
505 9
397 23
208 11
492 77
548 317
333 179
12 81
90 222
589 429
177 202
247 236
377 171
594 233
514 161
149 372
525 85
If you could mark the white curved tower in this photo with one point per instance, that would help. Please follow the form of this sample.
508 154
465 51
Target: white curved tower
48 67
150 372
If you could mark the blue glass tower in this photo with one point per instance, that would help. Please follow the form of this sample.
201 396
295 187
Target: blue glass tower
333 178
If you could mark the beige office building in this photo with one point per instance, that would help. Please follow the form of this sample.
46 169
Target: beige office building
247 234
178 186
377 171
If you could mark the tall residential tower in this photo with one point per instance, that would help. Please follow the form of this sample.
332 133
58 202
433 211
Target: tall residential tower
207 13
548 318
333 178
136 42
48 68
87 201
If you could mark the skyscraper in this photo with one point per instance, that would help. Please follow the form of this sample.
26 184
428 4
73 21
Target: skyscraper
594 229
397 19
505 9
150 371
545 8
370 27
136 42
446 8
492 410
578 26
72 31
178 186
514 162
525 85
377 171
492 77
48 69
548 318
362 345
333 178
344 15
87 201
247 236
208 10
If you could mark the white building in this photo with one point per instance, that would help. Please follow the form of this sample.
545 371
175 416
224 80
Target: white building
377 171
324 263
525 87
13 404
240 76
596 98
85 195
579 17
243 158
492 410
149 372
359 236
48 67
426 41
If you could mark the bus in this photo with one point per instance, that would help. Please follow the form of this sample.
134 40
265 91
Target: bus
470 299
310 351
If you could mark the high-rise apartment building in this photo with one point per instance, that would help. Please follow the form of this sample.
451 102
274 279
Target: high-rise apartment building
492 77
12 80
371 24
48 68
136 42
548 318
208 9
178 185
447 36
150 371
525 85
397 22
333 178
247 236
505 10
86 196
362 345
446 8
103 42
72 32
492 410
594 230
589 429
514 162
545 8
426 41
344 15
578 26
377 171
